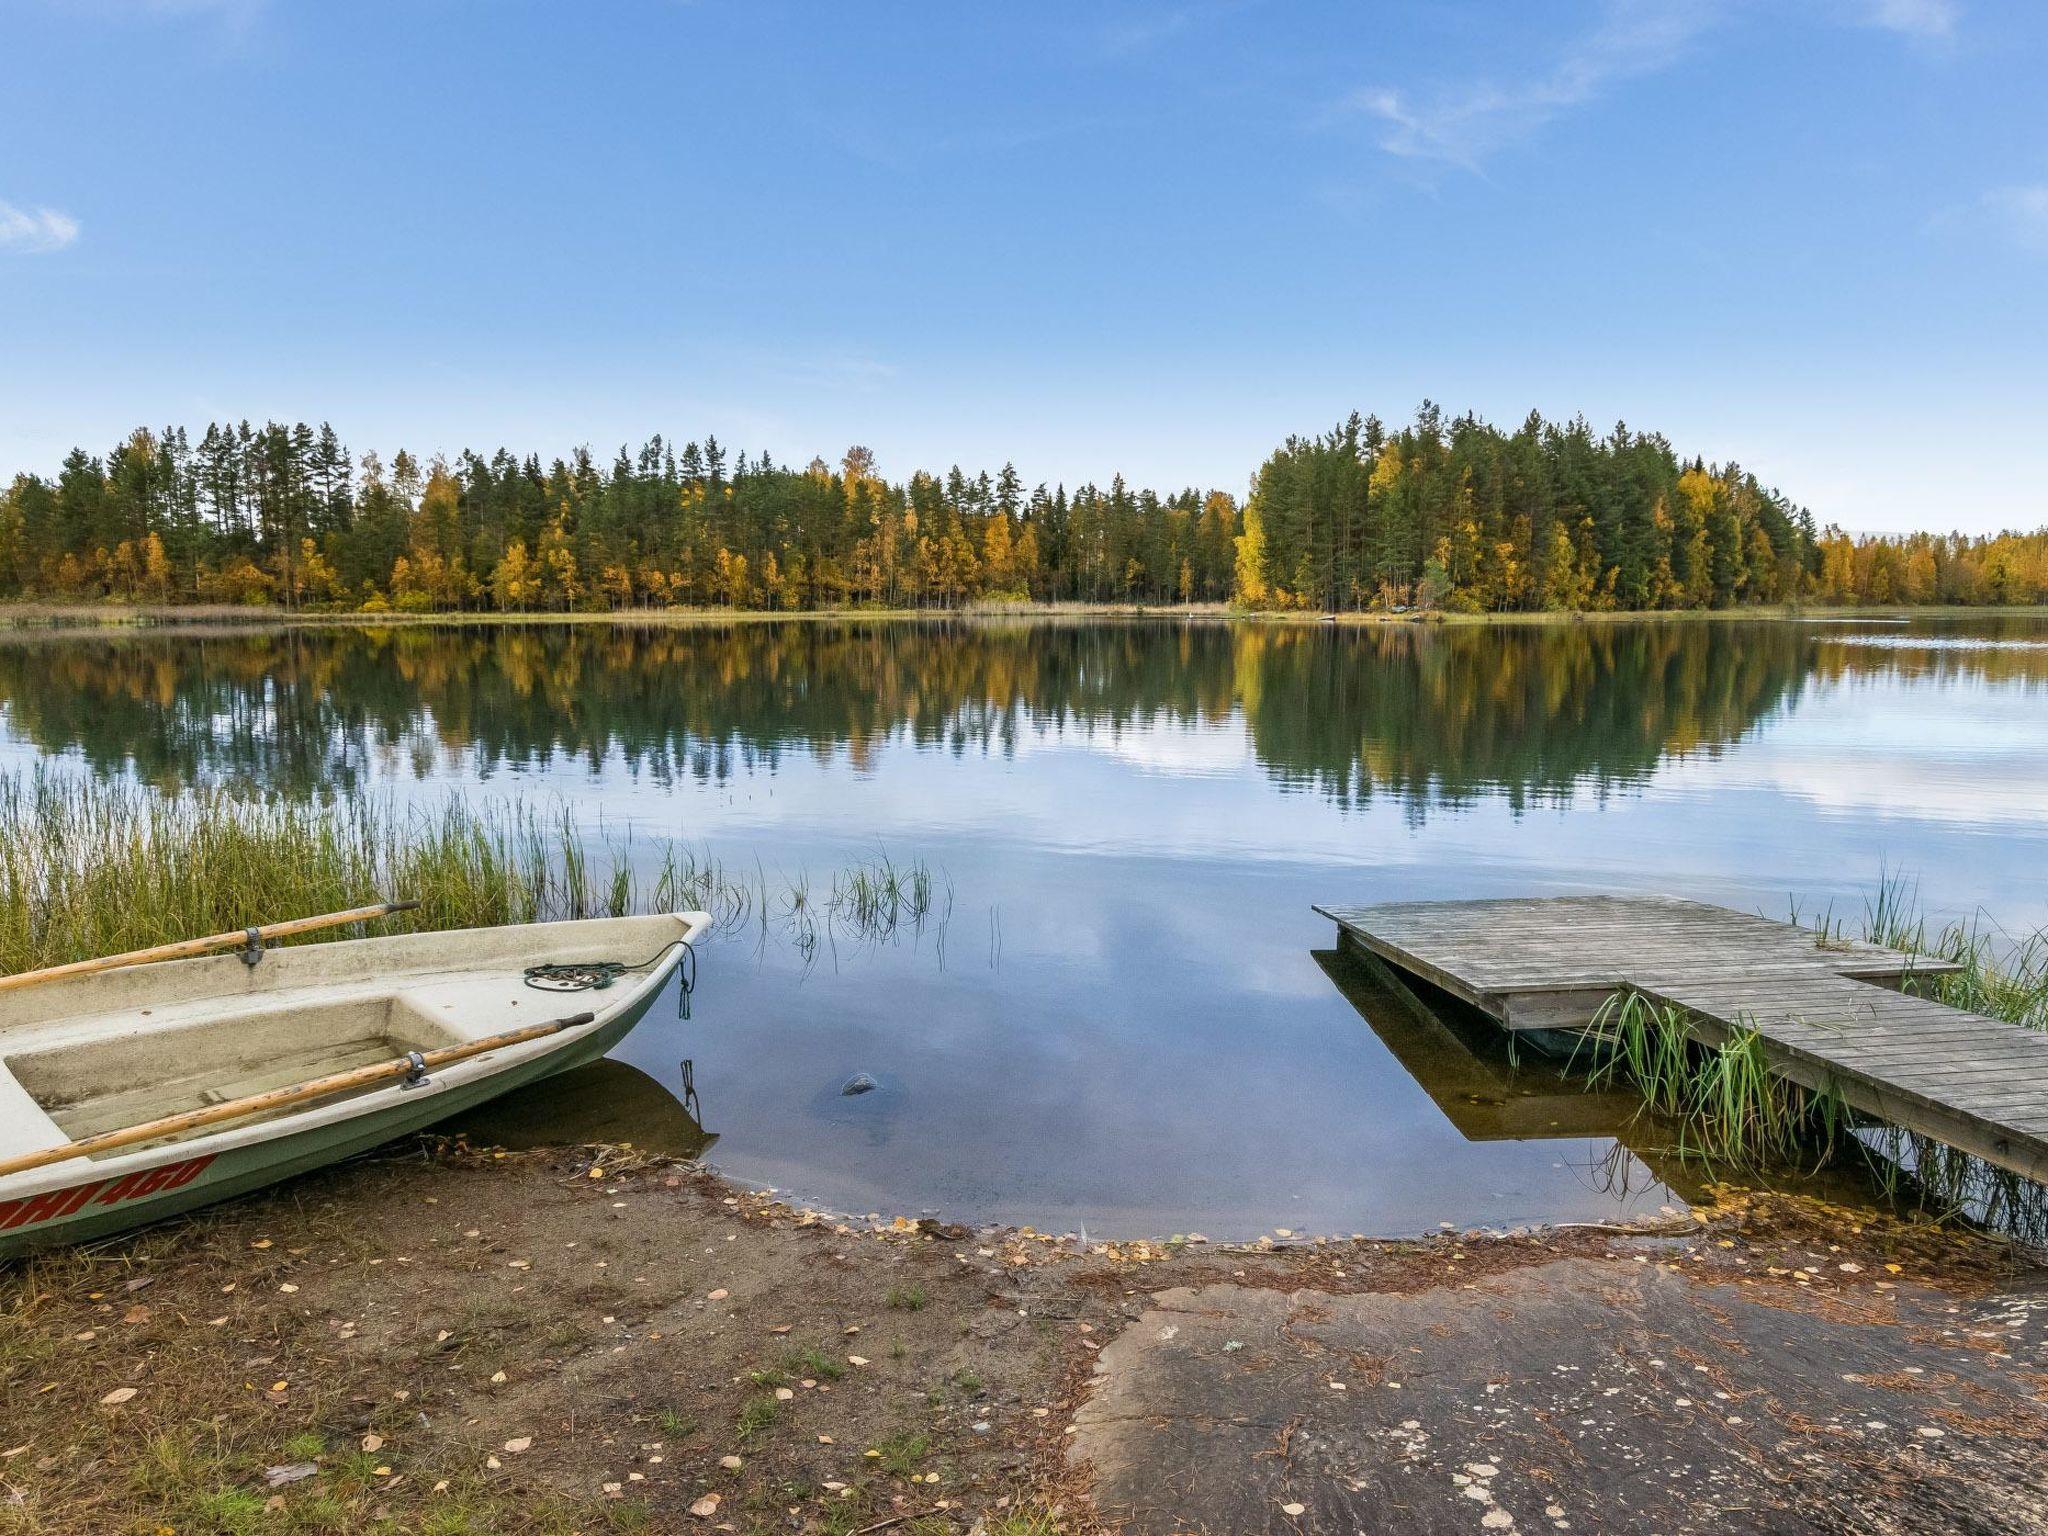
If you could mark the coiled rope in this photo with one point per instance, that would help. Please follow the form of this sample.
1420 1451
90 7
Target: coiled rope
596 975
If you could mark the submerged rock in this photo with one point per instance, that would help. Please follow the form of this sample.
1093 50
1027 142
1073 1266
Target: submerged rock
860 1082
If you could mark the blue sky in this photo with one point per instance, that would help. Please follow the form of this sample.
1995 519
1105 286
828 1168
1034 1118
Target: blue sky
1809 235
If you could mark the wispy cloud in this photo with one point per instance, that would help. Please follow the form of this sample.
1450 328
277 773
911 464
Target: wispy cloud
1463 124
2023 213
1914 18
35 230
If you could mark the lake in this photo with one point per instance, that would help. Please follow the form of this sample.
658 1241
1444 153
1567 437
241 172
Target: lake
1121 1013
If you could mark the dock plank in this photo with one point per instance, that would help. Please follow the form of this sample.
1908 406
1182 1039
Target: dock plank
1822 1009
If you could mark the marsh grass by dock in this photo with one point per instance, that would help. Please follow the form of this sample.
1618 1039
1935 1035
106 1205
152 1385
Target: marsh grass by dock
1728 1110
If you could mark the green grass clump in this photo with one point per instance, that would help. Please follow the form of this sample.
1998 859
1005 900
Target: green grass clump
1723 1100
758 1416
907 1298
902 1454
813 1363
93 868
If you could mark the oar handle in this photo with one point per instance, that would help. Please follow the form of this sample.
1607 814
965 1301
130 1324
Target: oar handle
282 1098
186 949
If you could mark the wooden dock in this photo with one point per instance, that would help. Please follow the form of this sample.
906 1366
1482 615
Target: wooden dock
1830 1013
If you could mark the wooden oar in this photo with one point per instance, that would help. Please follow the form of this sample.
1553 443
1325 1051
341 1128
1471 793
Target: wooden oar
280 1098
185 949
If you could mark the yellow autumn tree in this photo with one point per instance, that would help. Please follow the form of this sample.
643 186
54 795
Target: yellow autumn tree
561 580
156 568
515 583
1249 586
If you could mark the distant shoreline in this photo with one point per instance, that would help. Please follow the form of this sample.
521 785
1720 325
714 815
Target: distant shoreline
218 616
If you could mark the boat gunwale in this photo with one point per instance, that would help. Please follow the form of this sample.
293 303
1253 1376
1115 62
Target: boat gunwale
370 1104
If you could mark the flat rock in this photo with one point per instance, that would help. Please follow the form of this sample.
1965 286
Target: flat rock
1579 1395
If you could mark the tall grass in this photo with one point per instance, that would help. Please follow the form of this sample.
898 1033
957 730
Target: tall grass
1725 1103
1729 1108
2002 975
89 868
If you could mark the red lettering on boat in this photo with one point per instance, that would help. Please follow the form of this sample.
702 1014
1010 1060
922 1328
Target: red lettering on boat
55 1204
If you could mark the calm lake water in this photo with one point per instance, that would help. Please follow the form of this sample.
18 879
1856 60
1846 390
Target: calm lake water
1123 1017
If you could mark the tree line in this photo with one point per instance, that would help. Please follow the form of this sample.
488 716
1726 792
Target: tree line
1443 514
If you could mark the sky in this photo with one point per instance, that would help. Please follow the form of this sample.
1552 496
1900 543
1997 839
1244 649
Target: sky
1808 236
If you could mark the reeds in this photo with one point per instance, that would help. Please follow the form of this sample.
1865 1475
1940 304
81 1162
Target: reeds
1729 1108
2002 975
1725 1104
92 868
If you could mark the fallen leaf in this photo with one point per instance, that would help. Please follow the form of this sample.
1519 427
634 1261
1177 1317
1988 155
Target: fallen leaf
856 1359
518 1443
290 1472
705 1507
289 1289
373 1442
731 1463
1293 1509
118 1396
719 1295
136 1314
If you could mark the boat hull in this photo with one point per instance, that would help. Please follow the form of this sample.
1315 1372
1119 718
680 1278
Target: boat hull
185 1177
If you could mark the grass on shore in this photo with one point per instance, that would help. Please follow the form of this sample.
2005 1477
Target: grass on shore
92 869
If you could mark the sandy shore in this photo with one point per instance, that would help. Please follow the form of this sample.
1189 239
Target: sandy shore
442 1340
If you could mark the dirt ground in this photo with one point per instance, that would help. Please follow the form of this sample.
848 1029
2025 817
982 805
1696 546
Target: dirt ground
446 1341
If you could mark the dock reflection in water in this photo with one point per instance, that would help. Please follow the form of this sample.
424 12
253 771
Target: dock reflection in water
1488 1093
608 1102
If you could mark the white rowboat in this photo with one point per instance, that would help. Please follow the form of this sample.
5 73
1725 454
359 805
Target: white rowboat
389 1035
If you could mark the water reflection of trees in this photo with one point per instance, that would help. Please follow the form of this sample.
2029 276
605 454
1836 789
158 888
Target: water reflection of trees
1424 715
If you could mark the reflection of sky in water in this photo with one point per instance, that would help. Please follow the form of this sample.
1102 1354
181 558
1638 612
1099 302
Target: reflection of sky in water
1126 1026
1944 780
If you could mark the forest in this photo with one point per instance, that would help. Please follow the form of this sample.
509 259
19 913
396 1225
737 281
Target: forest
1442 515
